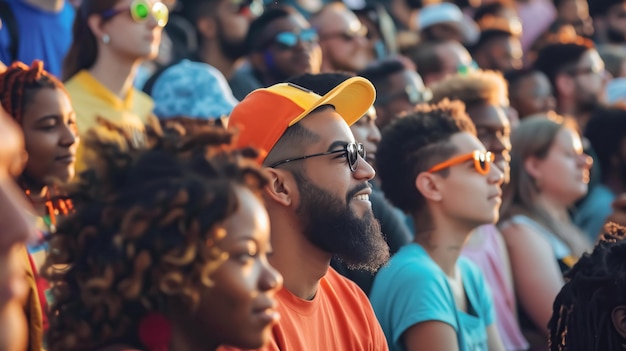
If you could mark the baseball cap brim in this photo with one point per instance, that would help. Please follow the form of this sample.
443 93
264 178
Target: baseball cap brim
351 100
265 114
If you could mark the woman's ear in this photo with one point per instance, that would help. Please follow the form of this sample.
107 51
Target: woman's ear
429 186
532 165
95 23
281 188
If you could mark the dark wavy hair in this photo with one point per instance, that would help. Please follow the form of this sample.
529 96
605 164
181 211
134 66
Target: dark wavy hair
144 233
83 52
581 318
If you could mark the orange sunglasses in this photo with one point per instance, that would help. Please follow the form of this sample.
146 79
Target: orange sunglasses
482 162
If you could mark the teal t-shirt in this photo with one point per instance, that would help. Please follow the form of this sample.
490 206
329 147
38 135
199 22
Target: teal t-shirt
412 288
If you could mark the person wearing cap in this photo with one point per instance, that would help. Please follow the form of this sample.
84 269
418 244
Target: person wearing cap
193 90
319 208
392 221
445 21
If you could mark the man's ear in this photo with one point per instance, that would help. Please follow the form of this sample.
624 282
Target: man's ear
618 317
207 27
282 187
429 186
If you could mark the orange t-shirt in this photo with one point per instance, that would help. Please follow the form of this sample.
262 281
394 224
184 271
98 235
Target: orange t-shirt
339 318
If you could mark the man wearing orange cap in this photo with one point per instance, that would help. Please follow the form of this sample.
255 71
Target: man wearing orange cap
318 203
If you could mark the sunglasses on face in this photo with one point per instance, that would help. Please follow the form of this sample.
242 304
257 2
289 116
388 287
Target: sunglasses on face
482 162
411 93
140 11
287 40
352 152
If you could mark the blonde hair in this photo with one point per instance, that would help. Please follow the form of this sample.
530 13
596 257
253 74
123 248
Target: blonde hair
476 88
533 137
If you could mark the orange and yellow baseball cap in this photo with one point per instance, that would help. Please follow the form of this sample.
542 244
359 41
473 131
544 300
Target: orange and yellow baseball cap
263 116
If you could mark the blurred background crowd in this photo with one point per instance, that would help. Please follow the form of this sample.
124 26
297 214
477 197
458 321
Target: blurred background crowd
119 93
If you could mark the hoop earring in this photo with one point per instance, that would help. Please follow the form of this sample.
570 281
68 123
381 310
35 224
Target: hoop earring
106 39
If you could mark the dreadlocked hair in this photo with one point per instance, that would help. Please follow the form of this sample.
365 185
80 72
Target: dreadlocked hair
19 83
581 318
145 230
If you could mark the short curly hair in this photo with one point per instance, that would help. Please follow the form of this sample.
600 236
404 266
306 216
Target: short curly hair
415 143
473 89
144 233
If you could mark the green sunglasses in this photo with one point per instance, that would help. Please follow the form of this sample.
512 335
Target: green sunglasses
140 11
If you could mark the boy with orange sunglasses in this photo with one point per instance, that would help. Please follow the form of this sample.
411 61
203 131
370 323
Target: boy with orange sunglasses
434 168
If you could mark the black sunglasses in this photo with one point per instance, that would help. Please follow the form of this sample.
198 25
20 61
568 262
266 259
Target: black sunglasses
352 151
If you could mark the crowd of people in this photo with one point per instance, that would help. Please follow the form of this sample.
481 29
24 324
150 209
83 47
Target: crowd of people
194 175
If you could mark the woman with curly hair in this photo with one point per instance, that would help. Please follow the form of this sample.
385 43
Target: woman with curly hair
167 249
589 313
39 104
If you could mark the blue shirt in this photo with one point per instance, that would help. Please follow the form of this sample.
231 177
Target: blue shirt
412 289
43 35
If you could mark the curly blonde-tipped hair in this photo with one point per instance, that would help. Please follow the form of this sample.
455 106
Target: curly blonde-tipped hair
144 233
473 89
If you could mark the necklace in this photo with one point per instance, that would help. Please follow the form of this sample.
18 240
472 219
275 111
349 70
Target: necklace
53 209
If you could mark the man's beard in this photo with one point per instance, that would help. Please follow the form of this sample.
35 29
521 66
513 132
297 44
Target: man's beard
615 36
333 227
234 50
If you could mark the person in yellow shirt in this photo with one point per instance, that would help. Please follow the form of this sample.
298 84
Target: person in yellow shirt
111 39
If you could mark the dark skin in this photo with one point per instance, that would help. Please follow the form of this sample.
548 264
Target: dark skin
532 95
51 140
494 131
399 103
277 63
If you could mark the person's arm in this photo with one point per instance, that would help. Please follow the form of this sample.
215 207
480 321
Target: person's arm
432 336
506 261
493 339
536 274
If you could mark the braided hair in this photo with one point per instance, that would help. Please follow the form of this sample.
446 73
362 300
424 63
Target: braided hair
581 318
19 83
144 232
